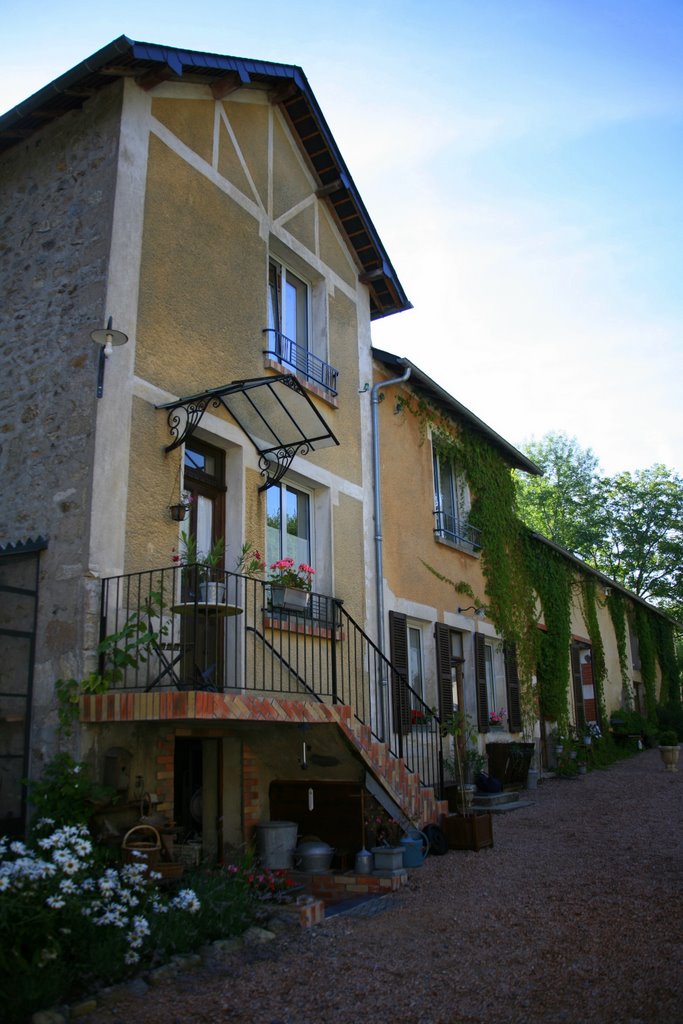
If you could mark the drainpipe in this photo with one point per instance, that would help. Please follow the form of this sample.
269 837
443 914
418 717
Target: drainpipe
379 570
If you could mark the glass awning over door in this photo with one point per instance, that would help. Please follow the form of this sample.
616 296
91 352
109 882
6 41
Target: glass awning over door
275 413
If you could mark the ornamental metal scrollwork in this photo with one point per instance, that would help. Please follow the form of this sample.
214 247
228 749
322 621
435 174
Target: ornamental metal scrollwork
183 420
275 463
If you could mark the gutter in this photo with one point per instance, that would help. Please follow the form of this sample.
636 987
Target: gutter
379 569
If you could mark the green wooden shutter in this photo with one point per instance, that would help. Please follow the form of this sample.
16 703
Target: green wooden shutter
512 684
444 672
480 679
400 702
578 687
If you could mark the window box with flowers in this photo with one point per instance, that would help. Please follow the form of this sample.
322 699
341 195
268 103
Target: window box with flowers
290 588
420 718
497 719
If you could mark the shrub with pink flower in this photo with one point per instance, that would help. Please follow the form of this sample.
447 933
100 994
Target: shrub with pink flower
497 717
283 574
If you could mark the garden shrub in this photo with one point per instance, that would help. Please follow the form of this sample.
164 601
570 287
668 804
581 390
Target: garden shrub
69 924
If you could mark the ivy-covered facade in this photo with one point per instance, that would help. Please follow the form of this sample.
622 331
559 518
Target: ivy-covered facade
530 642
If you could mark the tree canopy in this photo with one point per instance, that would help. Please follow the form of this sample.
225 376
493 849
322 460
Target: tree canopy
629 526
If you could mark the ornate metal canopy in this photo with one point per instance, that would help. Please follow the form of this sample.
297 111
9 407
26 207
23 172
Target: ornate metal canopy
275 413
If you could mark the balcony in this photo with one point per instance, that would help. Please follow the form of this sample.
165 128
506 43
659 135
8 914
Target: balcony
295 356
456 531
221 634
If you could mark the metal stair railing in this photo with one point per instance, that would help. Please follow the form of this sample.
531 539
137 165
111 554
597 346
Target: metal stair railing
232 640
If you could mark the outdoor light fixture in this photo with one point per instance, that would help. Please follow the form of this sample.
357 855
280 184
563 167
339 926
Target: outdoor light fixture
479 612
106 339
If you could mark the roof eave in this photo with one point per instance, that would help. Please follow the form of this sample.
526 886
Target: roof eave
337 187
512 455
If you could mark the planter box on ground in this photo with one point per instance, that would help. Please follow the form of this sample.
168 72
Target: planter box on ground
469 831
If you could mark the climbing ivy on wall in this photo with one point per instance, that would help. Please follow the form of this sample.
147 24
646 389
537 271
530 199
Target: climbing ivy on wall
646 648
552 580
590 614
518 568
617 610
666 655
510 598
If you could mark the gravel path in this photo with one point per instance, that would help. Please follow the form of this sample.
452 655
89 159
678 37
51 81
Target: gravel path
575 915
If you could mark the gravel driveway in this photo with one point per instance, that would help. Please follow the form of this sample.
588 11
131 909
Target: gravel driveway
575 915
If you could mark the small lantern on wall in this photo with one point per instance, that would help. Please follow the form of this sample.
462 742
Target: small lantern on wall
178 512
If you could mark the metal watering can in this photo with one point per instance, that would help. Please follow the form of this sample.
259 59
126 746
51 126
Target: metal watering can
415 848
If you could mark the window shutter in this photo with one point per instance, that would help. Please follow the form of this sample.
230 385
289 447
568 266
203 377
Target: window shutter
578 687
444 674
400 702
512 683
480 677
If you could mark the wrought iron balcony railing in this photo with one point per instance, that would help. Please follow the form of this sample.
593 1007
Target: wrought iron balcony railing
226 633
458 531
292 354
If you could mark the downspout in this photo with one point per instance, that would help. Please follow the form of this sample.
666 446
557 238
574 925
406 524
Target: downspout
379 569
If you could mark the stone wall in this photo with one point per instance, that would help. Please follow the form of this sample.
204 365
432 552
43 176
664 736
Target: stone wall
56 202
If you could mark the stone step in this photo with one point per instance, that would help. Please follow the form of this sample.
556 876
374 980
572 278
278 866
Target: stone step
499 803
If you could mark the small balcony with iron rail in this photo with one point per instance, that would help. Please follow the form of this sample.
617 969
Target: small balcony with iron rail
294 356
456 530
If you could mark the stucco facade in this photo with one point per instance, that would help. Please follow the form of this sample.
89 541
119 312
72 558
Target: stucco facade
173 208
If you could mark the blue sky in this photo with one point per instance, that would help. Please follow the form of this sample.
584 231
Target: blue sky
522 161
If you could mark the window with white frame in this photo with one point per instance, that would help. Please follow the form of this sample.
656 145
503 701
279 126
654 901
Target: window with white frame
296 328
288 310
452 503
289 524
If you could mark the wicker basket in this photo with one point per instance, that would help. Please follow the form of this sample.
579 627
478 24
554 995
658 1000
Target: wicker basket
142 845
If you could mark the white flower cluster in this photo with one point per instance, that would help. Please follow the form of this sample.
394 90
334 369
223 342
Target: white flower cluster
64 874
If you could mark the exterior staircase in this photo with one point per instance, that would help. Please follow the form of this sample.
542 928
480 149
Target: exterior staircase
417 802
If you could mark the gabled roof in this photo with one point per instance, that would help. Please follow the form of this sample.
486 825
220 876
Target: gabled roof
450 405
149 64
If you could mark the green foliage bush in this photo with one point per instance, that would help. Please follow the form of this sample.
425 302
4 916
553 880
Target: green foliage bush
670 717
69 925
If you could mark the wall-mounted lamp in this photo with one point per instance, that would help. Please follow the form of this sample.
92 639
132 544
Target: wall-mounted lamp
479 612
107 339
608 591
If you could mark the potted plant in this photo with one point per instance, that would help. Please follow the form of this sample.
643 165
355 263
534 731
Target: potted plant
206 565
464 830
383 834
669 749
289 587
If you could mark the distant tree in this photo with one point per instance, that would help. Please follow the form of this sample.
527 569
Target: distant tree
629 526
642 547
564 503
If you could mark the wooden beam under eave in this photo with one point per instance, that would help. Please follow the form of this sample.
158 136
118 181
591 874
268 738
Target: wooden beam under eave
326 190
282 93
155 76
222 87
368 276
